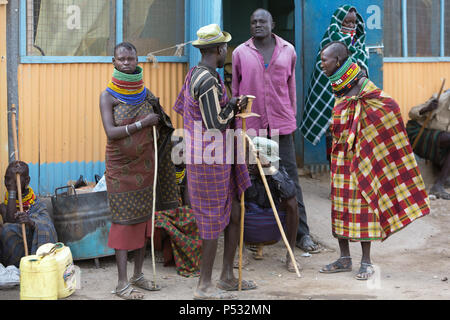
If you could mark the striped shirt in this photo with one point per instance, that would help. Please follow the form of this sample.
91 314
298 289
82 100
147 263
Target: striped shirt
205 87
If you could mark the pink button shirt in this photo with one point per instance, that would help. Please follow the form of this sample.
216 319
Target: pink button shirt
273 87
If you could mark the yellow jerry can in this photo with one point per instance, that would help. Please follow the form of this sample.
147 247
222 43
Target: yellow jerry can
66 279
38 278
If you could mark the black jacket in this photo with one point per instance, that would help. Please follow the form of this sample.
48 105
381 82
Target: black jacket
280 184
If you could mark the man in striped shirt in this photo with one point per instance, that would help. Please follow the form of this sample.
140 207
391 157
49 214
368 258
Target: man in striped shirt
214 187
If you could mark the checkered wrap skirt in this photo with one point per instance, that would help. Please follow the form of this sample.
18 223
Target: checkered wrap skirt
377 188
211 184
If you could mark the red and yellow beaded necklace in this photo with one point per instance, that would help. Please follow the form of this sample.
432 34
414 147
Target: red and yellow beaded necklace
345 78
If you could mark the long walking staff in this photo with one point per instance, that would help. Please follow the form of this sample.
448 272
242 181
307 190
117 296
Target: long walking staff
155 146
428 118
272 204
19 186
246 113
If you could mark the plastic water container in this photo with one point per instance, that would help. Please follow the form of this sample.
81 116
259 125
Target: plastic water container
65 277
38 278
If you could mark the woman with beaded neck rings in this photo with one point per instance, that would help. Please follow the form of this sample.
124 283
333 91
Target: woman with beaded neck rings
129 111
345 75
376 186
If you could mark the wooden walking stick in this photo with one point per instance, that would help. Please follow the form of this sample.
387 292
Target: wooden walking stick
428 118
155 146
272 204
246 113
19 186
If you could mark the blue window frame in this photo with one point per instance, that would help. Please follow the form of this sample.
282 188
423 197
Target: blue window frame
407 43
119 36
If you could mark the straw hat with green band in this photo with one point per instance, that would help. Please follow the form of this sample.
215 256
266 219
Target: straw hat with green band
211 36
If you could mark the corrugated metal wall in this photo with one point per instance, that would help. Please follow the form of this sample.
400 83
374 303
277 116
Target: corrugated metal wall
61 135
3 98
411 84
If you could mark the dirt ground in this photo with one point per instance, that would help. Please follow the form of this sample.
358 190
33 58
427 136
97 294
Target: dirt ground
413 264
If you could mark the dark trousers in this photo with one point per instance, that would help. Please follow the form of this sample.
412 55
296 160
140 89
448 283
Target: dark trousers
288 160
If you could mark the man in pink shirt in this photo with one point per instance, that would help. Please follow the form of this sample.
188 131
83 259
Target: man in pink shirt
264 67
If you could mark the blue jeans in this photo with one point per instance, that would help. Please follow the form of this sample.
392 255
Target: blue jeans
288 160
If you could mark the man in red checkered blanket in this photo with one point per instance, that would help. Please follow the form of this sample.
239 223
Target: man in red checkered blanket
376 185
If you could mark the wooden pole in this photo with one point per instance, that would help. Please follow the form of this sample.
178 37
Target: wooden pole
243 116
4 157
19 187
155 146
241 234
428 118
272 204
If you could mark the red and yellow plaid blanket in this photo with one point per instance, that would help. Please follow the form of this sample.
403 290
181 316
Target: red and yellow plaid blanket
377 188
184 239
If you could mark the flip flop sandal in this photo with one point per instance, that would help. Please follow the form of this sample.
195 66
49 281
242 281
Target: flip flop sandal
441 195
365 268
306 244
246 285
127 293
218 295
336 266
145 284
439 192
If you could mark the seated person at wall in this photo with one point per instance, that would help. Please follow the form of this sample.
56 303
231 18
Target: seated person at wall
180 169
434 143
38 224
282 189
177 240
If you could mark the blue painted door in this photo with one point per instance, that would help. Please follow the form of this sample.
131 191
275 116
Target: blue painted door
312 19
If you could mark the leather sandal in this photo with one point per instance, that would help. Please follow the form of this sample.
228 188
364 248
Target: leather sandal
337 266
129 293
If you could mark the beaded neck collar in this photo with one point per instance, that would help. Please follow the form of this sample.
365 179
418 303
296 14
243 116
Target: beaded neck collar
345 78
350 31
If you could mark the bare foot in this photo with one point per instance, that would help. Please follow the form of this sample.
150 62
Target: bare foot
290 266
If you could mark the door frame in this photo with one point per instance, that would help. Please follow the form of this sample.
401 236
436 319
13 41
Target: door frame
299 76
4 160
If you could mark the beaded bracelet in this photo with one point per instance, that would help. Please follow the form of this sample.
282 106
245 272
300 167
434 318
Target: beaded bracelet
12 195
138 125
